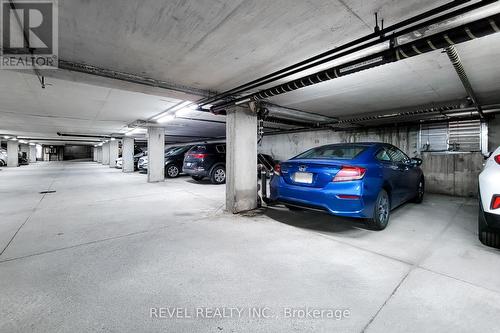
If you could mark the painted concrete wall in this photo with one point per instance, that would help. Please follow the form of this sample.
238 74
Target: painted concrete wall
452 174
285 146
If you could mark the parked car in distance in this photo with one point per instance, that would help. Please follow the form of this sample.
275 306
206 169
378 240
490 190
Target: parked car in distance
174 160
142 164
3 157
119 163
359 180
209 161
138 153
22 159
489 202
206 160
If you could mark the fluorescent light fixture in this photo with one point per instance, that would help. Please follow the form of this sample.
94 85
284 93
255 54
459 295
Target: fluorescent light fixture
166 118
32 144
14 139
6 137
113 139
183 112
136 130
23 142
181 106
173 109
100 145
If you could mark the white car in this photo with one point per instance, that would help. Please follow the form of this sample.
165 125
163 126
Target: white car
119 163
489 202
3 157
142 164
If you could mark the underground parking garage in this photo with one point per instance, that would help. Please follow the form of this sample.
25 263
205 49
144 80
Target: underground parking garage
233 166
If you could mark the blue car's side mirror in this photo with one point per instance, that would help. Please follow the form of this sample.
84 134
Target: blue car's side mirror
416 161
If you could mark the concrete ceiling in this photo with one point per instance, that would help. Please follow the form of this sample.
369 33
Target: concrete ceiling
216 45
425 79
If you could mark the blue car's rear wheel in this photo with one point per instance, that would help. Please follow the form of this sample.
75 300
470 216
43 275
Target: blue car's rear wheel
381 212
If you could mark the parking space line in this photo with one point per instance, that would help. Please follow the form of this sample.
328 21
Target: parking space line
31 214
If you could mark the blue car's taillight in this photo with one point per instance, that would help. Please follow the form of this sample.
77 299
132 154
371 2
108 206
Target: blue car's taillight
349 173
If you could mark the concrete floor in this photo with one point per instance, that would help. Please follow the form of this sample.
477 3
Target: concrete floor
107 247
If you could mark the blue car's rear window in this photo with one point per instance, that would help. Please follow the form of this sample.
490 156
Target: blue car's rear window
337 152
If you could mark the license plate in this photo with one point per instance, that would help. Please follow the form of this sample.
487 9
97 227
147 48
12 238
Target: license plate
303 177
189 164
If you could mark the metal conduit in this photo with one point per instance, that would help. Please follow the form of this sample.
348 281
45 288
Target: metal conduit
457 35
452 53
377 33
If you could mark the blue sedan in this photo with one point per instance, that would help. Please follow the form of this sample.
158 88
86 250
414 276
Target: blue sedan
360 180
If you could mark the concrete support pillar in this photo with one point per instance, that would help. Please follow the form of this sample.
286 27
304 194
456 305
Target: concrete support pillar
32 154
156 154
94 154
105 153
113 152
12 154
99 154
241 160
128 155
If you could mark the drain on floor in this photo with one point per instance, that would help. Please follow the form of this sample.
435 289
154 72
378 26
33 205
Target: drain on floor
47 192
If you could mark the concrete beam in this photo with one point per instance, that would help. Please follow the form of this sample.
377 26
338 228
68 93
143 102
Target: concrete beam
128 155
113 153
241 160
156 154
12 153
105 153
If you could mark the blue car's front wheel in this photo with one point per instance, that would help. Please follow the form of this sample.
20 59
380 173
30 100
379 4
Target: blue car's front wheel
381 212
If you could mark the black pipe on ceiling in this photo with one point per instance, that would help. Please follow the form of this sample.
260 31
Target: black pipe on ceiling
380 33
457 35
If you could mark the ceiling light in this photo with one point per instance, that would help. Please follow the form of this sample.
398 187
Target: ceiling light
166 118
14 139
181 106
6 137
136 130
32 144
173 109
113 139
183 112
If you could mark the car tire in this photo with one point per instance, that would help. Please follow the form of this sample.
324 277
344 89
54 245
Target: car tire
381 212
420 192
197 178
294 208
486 237
218 175
172 171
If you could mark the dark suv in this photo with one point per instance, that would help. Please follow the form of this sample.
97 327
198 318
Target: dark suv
206 160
